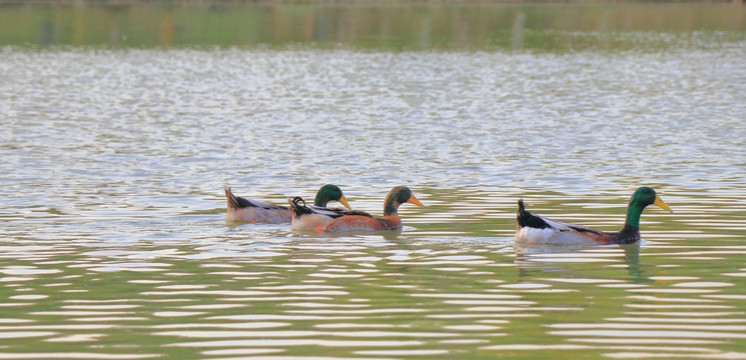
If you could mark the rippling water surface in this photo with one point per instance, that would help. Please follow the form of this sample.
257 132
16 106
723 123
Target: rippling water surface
114 244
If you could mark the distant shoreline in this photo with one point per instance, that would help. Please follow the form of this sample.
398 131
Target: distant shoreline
355 2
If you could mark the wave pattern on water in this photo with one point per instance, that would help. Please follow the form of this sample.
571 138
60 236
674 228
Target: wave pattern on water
406 298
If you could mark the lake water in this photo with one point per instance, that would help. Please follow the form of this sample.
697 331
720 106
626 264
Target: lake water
117 141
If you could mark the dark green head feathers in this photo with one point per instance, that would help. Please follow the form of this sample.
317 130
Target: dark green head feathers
397 196
642 197
330 193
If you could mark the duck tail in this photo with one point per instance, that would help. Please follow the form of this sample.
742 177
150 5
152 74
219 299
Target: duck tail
525 218
231 199
521 215
298 206
235 202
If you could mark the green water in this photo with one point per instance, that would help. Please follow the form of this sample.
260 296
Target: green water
121 126
392 27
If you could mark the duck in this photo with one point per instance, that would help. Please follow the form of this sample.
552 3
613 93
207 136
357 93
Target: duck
532 228
366 223
312 217
242 210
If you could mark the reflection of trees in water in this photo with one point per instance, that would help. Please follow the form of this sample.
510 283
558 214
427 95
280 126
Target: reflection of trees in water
166 34
47 32
403 27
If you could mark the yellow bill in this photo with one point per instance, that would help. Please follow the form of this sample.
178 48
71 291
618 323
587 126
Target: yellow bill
343 201
414 200
661 204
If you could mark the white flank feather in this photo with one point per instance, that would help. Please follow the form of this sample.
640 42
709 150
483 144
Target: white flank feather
559 234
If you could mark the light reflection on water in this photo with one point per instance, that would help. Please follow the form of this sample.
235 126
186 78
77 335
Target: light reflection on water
114 245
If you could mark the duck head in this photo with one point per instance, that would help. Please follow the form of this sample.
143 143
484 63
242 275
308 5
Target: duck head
397 196
328 193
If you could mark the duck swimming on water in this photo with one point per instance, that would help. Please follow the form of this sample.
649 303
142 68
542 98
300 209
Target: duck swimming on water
390 220
312 217
253 211
532 228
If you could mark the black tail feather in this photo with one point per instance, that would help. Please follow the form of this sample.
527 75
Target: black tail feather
298 206
236 202
526 218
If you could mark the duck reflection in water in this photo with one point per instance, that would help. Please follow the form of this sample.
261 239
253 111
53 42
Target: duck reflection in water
556 258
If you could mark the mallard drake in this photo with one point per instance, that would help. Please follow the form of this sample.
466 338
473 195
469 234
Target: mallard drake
390 220
537 229
312 217
253 211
